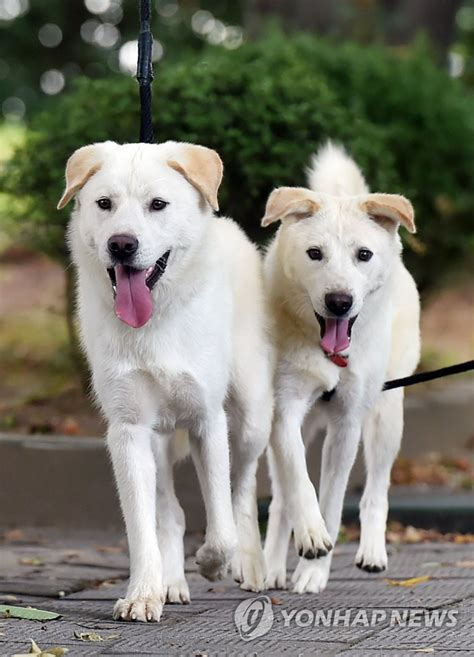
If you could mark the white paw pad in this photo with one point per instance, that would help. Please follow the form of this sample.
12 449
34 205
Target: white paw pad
177 592
372 558
312 539
145 609
248 568
276 578
310 576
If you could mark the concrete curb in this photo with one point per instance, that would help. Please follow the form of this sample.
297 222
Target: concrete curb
64 481
68 483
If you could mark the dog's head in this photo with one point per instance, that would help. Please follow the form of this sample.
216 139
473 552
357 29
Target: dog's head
141 213
338 250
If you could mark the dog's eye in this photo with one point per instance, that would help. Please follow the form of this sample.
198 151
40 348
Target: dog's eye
364 255
158 204
104 203
315 254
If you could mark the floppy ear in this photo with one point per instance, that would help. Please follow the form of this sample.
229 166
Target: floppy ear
285 202
202 167
392 208
81 166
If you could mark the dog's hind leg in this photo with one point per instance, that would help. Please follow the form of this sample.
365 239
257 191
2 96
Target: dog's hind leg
210 453
381 435
250 421
170 521
278 532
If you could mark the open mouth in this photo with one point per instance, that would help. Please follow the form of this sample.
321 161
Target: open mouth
132 290
335 333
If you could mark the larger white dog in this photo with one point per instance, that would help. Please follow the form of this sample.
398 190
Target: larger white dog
346 319
172 319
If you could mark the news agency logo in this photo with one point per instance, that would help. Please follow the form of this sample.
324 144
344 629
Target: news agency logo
254 618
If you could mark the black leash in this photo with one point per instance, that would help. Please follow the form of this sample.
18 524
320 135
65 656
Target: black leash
412 380
422 377
145 71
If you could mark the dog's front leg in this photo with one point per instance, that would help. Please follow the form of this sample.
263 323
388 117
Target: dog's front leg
135 474
310 533
339 452
170 520
210 452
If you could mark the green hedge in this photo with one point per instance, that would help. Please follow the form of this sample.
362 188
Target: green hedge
265 108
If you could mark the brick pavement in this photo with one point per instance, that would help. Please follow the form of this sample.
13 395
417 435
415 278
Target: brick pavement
81 575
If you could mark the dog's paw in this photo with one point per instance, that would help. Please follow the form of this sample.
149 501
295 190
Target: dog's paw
312 539
372 557
177 592
144 609
310 576
276 577
248 569
213 561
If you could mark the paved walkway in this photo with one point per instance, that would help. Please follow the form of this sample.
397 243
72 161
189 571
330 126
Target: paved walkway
359 614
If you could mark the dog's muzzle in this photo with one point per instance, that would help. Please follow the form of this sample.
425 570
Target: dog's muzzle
153 274
336 335
132 288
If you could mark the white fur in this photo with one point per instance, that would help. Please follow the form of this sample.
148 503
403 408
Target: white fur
385 344
201 364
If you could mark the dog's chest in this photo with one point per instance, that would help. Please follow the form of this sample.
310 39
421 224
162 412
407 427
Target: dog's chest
180 400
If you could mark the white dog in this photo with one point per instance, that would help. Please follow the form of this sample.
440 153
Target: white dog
172 319
346 318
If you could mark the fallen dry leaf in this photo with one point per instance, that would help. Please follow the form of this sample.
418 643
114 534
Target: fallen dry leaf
398 534
30 561
50 652
464 538
108 582
93 636
217 589
110 549
464 564
27 613
14 535
434 469
413 581
412 535
276 601
69 426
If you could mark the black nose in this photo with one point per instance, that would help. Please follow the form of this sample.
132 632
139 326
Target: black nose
338 303
122 247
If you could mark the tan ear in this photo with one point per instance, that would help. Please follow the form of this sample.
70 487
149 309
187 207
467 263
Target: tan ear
285 202
81 166
202 167
391 207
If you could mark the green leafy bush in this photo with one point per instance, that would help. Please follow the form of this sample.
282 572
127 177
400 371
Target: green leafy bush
265 108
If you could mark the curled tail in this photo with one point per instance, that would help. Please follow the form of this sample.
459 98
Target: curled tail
333 171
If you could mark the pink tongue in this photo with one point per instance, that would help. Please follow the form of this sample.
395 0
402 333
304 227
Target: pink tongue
336 337
133 302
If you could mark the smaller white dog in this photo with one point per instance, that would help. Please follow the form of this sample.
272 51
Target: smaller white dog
346 318
173 321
